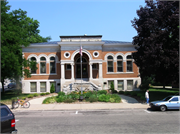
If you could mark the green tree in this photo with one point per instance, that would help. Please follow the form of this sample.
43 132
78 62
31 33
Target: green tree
17 30
157 41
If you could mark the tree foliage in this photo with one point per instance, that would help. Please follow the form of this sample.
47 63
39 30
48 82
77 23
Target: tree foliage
17 30
157 40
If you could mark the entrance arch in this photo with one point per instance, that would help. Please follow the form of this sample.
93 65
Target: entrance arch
85 66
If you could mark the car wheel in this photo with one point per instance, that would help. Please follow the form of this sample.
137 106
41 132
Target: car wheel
163 108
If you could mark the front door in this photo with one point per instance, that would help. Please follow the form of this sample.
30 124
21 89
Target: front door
84 71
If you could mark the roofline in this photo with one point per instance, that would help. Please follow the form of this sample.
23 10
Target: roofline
76 36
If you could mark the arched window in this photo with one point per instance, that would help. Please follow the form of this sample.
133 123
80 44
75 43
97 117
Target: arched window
33 68
83 60
110 63
119 63
42 65
52 65
129 64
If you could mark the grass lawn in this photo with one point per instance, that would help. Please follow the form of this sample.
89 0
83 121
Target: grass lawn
8 96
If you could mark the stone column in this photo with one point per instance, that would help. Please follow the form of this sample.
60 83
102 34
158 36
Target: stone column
90 64
62 71
72 71
100 70
125 85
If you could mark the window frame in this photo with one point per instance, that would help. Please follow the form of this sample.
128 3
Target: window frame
120 60
35 87
52 61
45 87
110 60
127 65
41 61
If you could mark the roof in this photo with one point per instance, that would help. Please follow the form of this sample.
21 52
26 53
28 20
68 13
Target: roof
106 42
76 36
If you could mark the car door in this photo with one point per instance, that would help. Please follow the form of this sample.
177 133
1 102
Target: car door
174 103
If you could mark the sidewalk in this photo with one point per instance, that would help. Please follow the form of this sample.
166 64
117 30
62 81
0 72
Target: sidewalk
127 102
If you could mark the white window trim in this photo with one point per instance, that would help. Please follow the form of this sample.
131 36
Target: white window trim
50 66
96 55
65 54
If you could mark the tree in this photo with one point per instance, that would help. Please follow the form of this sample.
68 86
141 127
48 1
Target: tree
157 40
17 30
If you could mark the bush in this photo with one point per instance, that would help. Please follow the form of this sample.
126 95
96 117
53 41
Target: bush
49 100
52 90
133 93
115 98
114 91
112 100
60 99
68 100
92 98
102 92
74 96
61 94
30 96
23 98
104 98
42 94
127 93
88 94
142 98
35 94
47 93
139 94
121 92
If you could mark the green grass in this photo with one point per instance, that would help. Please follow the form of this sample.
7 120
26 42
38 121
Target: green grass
8 96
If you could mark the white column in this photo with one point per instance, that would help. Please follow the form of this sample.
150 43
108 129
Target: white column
90 64
72 71
100 70
62 70
125 85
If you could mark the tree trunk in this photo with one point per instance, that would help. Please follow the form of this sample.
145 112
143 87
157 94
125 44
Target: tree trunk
2 82
17 83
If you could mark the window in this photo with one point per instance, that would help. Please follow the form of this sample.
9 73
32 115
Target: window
119 64
79 60
110 63
42 65
33 87
66 54
129 63
4 112
53 83
95 54
109 84
52 65
120 85
174 99
33 69
42 86
68 67
94 66
129 84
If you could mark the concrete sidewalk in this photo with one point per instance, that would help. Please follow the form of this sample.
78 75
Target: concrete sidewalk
127 102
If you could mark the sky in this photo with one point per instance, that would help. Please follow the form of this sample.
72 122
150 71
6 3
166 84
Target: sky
109 18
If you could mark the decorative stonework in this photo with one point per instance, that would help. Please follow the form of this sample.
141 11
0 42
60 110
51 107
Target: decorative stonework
66 54
95 54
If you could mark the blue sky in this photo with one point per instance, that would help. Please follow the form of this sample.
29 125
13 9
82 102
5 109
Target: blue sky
109 18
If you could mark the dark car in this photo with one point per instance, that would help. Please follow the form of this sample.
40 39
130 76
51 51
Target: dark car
11 85
7 120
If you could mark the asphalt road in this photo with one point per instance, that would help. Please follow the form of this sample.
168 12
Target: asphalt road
125 121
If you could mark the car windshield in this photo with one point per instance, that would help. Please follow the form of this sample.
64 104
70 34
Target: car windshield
167 98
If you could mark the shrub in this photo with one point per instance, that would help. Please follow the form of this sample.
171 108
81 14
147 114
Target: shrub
52 90
142 98
88 94
47 93
121 92
30 96
133 93
115 98
112 100
60 99
104 98
49 100
68 100
35 94
92 98
102 92
42 94
74 96
23 98
127 93
61 93
114 91
139 94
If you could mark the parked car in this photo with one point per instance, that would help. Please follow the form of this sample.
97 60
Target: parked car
11 85
170 102
7 120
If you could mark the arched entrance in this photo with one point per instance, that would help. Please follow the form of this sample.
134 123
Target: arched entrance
85 66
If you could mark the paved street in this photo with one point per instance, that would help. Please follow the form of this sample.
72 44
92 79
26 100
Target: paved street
129 121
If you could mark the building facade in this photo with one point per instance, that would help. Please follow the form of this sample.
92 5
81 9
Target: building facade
103 62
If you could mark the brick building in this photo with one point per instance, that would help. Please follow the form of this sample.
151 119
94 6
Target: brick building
59 63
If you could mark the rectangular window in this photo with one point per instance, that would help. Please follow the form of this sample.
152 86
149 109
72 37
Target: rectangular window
120 85
129 84
33 87
68 67
129 66
53 83
43 67
119 66
110 66
52 67
94 66
109 84
42 86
